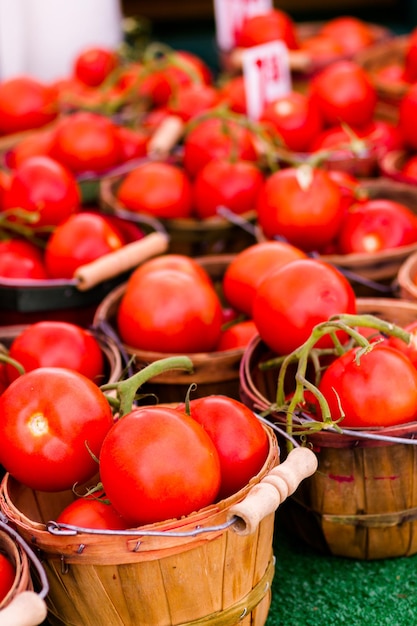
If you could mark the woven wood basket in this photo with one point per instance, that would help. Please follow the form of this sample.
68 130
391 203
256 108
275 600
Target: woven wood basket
215 235
213 569
214 372
22 606
362 501
406 278
379 56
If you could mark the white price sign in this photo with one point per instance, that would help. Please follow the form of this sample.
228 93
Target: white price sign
267 75
229 17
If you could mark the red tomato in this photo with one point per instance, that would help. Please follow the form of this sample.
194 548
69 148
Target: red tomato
249 267
159 189
293 299
409 349
377 225
301 204
193 99
233 184
343 92
351 33
36 144
410 58
269 26
409 168
187 479
180 262
86 142
237 336
295 118
233 91
21 259
44 187
52 421
133 142
7 576
170 311
215 138
25 103
94 64
407 116
91 513
57 344
82 238
321 49
5 179
240 440
361 389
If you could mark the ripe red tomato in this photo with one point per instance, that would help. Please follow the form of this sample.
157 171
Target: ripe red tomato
215 138
94 64
237 336
86 142
91 512
156 188
407 116
21 259
177 262
269 26
249 267
57 344
292 300
233 184
25 103
191 100
82 238
361 388
409 349
301 204
410 58
7 576
295 118
52 421
133 142
239 438
170 311
343 92
377 225
130 463
233 92
351 33
409 168
44 187
36 144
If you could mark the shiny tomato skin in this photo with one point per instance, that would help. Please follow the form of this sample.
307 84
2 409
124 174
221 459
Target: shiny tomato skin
380 391
237 336
377 225
192 100
86 142
36 144
170 311
156 188
170 261
293 299
26 103
82 238
163 457
42 185
91 512
52 343
234 185
51 420
249 267
7 576
351 33
303 205
343 92
407 116
239 438
269 26
409 349
21 259
94 64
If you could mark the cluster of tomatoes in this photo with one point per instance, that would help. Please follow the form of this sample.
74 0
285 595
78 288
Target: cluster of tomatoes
61 424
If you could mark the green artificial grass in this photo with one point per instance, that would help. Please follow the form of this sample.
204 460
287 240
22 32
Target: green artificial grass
312 589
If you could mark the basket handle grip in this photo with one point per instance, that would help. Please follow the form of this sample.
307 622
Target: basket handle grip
115 263
166 137
266 496
26 609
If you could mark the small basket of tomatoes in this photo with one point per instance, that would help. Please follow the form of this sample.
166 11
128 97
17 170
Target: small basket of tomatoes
356 407
145 514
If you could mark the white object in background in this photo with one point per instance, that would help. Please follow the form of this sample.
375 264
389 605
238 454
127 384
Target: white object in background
41 38
267 75
229 16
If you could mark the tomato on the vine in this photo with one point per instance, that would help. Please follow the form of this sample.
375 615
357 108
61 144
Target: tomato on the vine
94 64
290 301
272 25
52 343
53 422
130 463
356 388
20 258
90 512
26 103
237 335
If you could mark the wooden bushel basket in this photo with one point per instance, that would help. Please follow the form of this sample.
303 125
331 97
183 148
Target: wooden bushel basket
22 606
362 501
407 278
214 372
212 568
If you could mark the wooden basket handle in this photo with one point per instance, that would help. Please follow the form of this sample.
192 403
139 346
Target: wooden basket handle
166 137
26 609
266 496
122 260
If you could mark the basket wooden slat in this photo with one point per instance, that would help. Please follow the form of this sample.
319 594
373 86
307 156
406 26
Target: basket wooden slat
407 278
362 501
